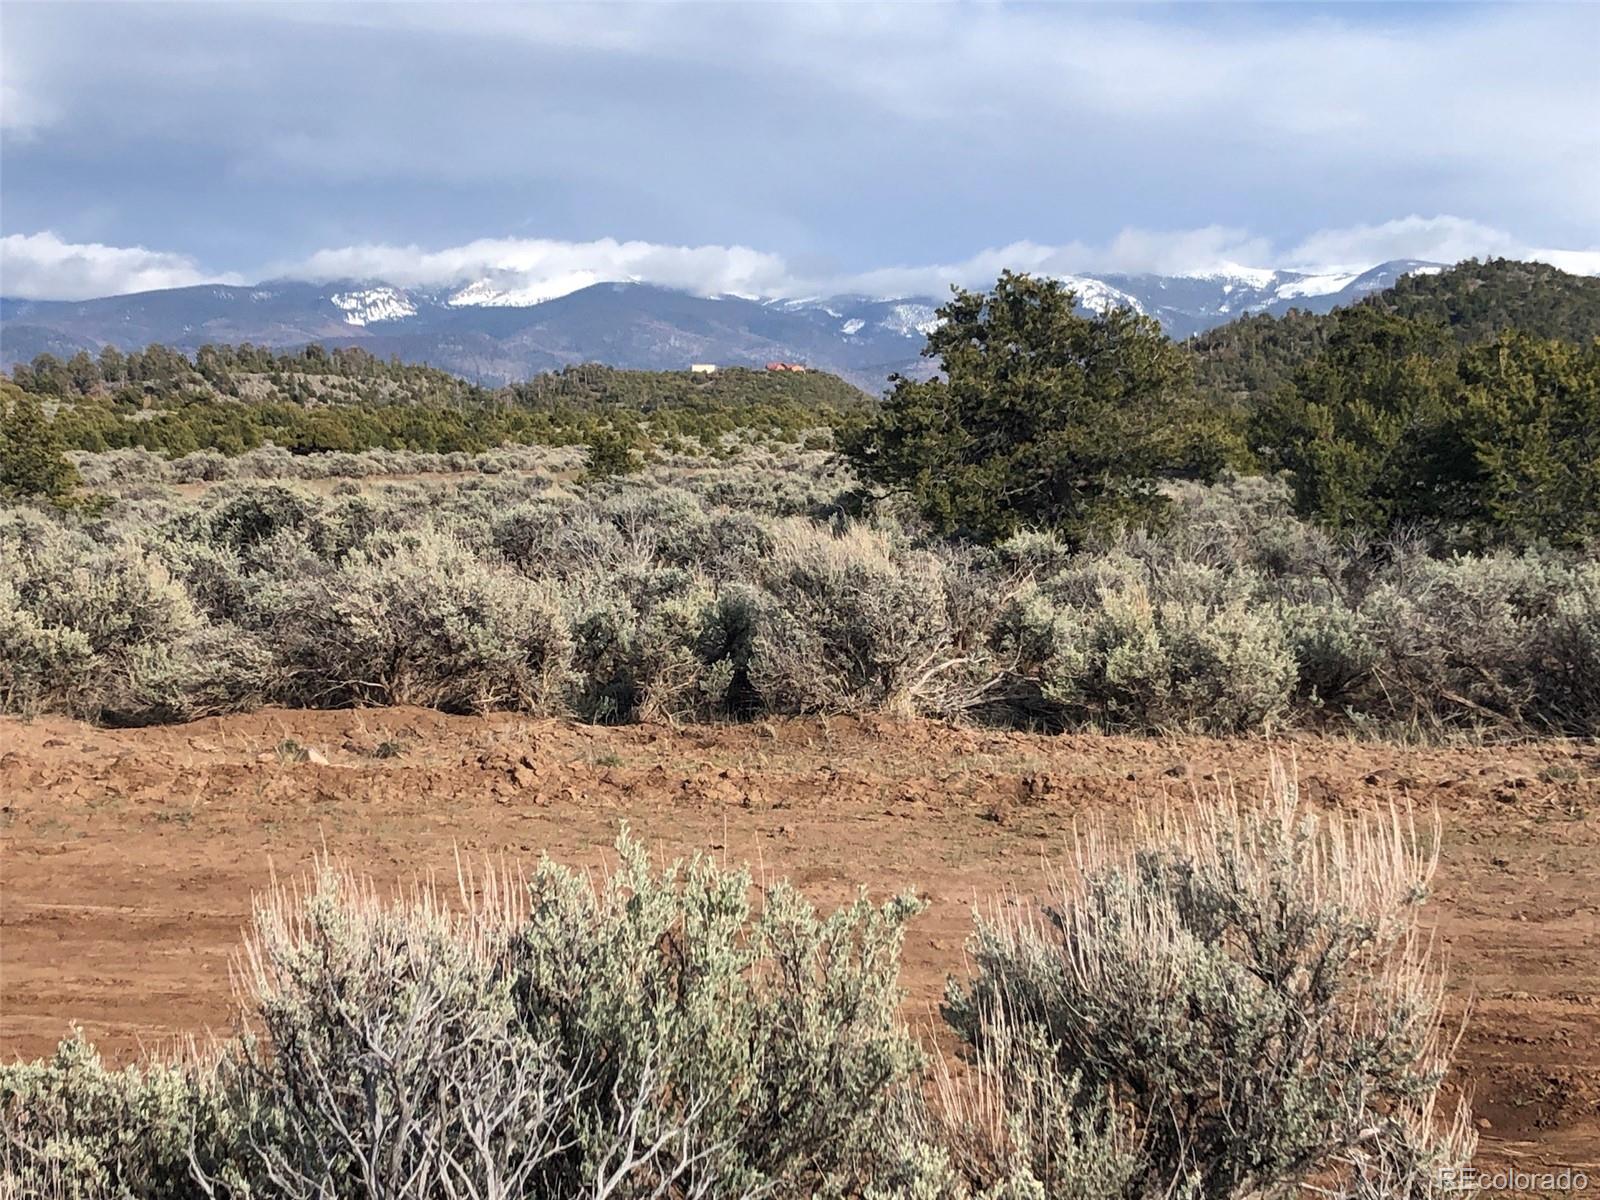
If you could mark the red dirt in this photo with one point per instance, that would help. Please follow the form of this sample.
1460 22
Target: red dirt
130 856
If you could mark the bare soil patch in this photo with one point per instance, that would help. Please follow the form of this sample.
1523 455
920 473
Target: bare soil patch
130 856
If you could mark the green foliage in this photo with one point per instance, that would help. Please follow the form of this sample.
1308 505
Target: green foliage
1044 416
610 453
1526 417
1359 429
33 461
1244 362
236 398
1389 427
1478 301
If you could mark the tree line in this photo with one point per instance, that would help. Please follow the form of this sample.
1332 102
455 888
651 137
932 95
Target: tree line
1464 406
237 398
1044 416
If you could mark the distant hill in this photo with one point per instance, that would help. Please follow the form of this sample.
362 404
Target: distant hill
1252 356
491 336
1249 328
625 325
236 398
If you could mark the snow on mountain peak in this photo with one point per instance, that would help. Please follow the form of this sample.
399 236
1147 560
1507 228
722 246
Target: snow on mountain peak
1315 285
1255 277
374 304
486 293
1100 297
910 320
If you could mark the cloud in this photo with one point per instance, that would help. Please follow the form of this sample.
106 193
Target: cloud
1439 239
538 268
861 132
41 266
527 270
1443 239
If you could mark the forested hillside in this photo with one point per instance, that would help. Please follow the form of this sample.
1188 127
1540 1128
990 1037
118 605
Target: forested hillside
235 398
1250 358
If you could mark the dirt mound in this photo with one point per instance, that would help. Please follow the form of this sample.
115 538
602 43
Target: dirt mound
131 855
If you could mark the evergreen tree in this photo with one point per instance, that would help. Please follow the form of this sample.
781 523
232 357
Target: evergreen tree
1526 415
113 364
610 453
33 464
1360 428
1044 416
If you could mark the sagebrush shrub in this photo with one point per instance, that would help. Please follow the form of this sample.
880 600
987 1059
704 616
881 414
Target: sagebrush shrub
420 620
70 1129
652 1036
1245 987
385 1058
1232 668
1119 643
1569 653
853 623
75 617
1335 653
775 1032
1459 637
1233 616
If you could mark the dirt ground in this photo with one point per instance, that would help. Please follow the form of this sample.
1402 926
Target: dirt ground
130 856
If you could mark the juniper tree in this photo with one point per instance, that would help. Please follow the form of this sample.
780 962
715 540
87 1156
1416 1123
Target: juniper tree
1043 416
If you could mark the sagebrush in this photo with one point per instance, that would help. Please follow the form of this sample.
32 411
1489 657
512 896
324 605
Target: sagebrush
705 590
1236 1001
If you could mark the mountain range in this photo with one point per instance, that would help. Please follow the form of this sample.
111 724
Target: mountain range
493 336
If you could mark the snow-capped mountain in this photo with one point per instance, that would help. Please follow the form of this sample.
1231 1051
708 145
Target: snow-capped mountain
1195 301
502 329
371 305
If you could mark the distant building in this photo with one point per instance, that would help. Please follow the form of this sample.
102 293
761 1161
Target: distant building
783 366
703 368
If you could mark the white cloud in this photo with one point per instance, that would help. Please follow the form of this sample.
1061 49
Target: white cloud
525 270
1441 238
538 268
533 269
41 266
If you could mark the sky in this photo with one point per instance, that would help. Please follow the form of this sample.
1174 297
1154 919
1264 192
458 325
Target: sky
783 149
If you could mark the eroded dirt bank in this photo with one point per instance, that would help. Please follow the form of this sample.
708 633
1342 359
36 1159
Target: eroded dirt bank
130 856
